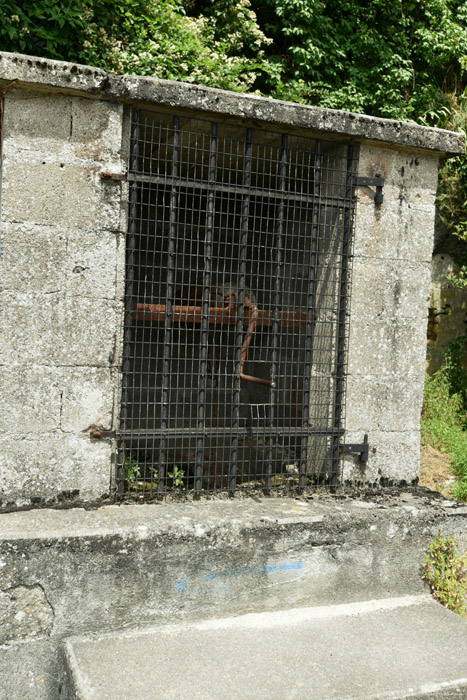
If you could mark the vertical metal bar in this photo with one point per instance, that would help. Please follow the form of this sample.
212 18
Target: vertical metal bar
240 310
276 301
341 325
310 313
129 293
167 350
206 298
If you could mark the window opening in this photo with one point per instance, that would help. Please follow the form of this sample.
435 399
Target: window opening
236 311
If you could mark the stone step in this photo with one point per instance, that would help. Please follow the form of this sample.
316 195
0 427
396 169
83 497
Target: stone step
391 648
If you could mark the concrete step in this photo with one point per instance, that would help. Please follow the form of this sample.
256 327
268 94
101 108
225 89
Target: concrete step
391 648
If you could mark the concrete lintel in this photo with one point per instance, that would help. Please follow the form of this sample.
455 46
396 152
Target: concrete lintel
17 70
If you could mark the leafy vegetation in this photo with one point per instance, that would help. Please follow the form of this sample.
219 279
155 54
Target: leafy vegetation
177 476
134 476
401 60
131 468
143 37
444 415
446 571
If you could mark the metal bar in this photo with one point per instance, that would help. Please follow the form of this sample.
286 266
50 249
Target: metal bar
240 303
369 181
276 302
361 448
129 294
310 313
167 350
205 314
329 202
211 217
218 315
341 311
214 432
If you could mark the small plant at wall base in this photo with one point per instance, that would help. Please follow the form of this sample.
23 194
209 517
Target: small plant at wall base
446 572
132 468
177 476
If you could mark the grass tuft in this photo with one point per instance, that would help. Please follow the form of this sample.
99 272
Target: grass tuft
444 414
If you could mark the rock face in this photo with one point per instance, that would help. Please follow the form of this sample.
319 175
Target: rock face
63 231
447 318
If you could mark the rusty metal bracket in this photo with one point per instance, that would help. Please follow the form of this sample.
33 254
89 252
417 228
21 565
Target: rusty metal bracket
357 448
115 177
102 434
377 182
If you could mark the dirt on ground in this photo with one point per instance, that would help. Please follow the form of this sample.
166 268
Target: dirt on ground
436 471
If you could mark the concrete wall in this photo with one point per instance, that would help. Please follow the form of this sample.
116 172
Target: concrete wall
390 290
61 271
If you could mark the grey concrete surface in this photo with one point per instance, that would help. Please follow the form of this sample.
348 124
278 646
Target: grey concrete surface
387 340
32 670
76 571
396 648
61 270
46 74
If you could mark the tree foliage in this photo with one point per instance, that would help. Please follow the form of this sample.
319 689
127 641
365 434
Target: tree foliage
144 37
405 59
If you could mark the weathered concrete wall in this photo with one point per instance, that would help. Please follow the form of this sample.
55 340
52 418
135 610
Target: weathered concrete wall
70 572
61 270
390 289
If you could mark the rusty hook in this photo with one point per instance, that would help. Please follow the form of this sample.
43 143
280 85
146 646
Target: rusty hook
246 342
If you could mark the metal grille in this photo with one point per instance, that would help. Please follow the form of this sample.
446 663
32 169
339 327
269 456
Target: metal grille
238 254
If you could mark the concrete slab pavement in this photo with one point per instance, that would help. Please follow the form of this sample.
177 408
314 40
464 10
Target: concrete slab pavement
392 648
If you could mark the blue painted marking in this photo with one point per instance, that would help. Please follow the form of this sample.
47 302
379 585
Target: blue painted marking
267 569
180 586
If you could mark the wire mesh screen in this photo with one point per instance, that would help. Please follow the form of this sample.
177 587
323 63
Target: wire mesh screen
238 254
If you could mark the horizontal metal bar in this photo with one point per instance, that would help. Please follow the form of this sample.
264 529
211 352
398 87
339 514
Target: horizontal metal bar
369 181
97 434
115 177
218 315
356 448
330 202
215 432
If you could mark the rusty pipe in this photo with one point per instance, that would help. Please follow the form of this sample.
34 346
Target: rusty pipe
246 342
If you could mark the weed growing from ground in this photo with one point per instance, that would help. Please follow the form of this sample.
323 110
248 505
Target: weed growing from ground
132 468
177 476
446 571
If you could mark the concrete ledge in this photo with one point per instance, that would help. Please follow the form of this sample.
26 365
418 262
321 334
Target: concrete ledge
78 571
24 71
69 572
